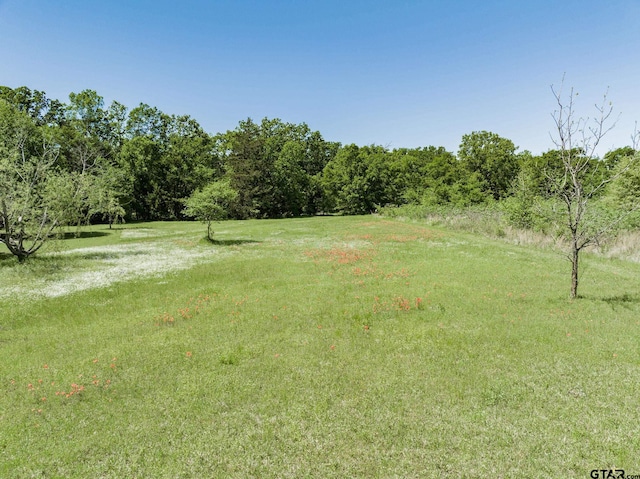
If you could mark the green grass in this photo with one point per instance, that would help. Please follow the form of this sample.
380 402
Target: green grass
321 347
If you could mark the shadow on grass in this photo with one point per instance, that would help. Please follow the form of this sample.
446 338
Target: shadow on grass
625 300
6 257
230 242
81 234
103 255
35 264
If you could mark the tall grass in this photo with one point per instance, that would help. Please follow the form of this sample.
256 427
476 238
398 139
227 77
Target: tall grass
493 222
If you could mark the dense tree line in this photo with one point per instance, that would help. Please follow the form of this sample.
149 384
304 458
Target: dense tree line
88 162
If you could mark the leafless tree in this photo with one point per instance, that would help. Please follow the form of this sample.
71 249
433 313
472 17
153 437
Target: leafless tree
577 140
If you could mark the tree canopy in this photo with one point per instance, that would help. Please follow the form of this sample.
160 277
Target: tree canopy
110 163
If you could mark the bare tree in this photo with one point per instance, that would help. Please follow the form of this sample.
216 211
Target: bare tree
582 177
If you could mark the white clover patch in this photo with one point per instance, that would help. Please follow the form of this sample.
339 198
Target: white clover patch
117 263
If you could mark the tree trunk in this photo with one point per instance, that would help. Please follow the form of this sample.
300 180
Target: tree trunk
575 251
209 232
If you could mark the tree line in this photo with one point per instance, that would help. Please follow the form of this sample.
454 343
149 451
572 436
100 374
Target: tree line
83 161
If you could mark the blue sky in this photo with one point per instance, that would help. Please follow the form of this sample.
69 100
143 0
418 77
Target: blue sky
395 73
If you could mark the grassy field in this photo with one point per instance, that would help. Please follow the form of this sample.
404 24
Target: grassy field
320 347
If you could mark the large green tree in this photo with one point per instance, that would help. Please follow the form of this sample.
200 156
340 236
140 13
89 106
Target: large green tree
42 110
492 158
167 158
275 167
433 176
90 138
30 207
359 179
87 140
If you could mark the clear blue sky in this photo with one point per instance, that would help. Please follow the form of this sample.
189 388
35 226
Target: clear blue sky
396 73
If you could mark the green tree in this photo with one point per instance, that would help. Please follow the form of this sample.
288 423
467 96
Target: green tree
188 162
493 158
115 130
257 157
318 153
108 192
42 110
613 158
148 121
538 169
90 139
624 191
29 206
211 203
168 157
359 179
141 158
433 176
291 181
85 112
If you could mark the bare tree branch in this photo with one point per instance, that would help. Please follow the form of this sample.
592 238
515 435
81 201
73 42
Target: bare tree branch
577 140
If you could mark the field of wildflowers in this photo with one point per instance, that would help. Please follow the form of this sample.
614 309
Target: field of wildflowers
317 347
